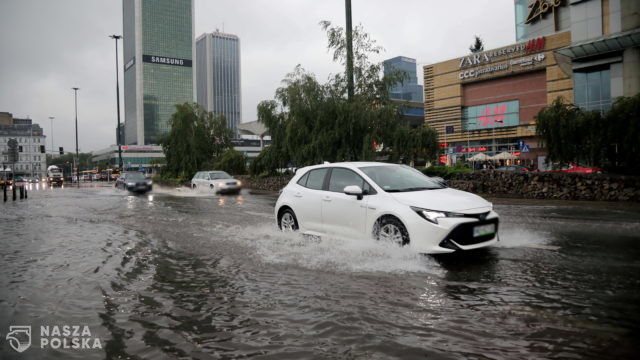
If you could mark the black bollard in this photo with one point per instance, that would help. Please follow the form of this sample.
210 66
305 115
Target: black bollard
14 191
25 192
4 190
21 192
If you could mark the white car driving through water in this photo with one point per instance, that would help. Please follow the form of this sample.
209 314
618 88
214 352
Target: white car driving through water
217 181
387 202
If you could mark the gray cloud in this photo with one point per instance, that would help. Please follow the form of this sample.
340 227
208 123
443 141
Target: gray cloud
50 46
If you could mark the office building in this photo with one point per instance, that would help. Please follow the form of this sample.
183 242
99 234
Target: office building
409 89
218 76
32 159
158 65
586 52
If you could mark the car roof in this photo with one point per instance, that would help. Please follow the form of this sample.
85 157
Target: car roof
350 164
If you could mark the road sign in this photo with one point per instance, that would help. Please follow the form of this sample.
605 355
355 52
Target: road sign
520 144
525 149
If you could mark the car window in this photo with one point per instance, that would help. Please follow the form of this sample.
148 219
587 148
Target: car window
303 180
219 175
316 178
341 178
400 178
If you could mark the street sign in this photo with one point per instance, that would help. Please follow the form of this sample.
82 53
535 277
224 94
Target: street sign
520 144
525 149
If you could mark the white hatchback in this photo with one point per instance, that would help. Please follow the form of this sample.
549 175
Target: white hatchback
217 181
387 202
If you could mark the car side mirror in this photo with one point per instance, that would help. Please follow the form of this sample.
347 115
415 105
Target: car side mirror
354 190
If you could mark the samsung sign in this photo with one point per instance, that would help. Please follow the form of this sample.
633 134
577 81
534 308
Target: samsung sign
166 60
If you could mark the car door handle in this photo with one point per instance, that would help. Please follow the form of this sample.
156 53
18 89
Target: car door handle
365 206
326 198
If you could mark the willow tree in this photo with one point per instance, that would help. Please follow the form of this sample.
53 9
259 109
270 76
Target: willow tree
310 122
197 138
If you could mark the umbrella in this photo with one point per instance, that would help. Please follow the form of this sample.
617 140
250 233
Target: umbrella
479 157
503 156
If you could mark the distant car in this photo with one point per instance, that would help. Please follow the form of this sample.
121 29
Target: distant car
217 181
134 182
388 202
573 168
512 168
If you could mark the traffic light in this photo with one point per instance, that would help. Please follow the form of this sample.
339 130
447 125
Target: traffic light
42 149
61 150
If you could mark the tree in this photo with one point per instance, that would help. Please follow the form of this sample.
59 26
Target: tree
197 138
310 122
612 141
478 45
233 162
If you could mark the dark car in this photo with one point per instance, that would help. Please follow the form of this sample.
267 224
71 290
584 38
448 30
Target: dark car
134 182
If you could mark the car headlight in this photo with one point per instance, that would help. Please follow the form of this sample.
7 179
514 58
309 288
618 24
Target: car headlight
239 183
220 184
149 182
434 215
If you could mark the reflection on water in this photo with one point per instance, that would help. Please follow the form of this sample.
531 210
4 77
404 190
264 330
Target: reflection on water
175 273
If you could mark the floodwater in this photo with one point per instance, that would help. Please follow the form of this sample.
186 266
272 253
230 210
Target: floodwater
182 274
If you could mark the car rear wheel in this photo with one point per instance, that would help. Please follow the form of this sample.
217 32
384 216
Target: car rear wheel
391 230
193 186
211 186
288 221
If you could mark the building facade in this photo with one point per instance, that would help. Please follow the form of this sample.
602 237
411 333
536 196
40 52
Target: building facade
158 65
218 76
487 102
134 157
409 89
32 159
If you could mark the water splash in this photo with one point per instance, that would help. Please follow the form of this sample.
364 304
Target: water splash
332 254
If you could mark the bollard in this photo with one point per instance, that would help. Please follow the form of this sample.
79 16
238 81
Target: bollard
13 187
4 190
25 192
21 192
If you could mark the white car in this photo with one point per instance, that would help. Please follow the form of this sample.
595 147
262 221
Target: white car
217 181
387 202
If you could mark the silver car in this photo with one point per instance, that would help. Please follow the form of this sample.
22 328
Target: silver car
217 181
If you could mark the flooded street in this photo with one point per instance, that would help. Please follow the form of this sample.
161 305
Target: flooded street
181 274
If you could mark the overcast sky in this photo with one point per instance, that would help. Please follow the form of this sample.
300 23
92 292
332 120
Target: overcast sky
47 47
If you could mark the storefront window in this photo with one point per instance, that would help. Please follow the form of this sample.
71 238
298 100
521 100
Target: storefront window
592 89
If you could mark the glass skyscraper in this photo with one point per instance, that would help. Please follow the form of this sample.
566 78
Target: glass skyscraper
158 66
409 89
218 76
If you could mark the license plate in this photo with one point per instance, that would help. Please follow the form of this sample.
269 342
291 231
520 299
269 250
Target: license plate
482 230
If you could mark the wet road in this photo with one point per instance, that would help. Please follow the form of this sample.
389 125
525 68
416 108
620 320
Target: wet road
178 274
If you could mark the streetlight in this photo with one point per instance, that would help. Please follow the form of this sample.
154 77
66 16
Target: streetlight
75 95
116 37
52 148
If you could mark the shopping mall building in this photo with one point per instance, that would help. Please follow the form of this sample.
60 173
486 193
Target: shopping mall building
587 52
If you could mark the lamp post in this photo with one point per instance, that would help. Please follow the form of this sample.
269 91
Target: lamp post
75 95
349 35
118 140
52 148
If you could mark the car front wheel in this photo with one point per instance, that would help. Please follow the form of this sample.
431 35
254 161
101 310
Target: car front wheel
391 230
288 221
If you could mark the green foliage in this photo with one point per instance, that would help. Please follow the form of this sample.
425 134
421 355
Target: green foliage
590 138
447 172
61 161
267 162
233 162
478 45
310 122
197 138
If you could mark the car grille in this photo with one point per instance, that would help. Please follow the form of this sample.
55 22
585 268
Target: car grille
463 234
231 183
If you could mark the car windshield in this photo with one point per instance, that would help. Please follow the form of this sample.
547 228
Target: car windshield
219 175
135 176
400 178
